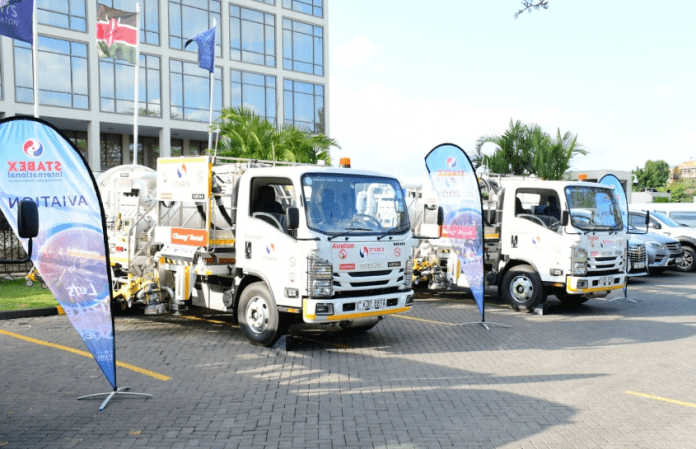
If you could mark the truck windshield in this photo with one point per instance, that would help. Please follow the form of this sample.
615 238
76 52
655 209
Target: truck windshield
593 208
348 204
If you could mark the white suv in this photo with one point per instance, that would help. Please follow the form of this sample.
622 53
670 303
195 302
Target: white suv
664 225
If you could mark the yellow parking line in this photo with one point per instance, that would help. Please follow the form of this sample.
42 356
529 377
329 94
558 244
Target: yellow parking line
658 398
423 320
158 376
196 318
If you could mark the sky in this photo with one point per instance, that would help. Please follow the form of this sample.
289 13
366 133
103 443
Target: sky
408 75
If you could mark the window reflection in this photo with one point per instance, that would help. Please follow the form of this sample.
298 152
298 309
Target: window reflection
117 95
303 47
63 74
189 17
304 105
111 151
190 91
69 14
312 7
252 36
256 92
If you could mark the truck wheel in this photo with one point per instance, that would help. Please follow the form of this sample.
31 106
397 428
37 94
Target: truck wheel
687 264
259 317
522 288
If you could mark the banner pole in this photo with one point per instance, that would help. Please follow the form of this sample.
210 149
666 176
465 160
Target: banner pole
212 89
136 112
35 62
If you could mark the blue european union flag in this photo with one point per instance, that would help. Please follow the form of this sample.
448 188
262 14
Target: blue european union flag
206 48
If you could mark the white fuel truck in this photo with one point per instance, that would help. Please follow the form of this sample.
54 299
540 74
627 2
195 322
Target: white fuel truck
541 238
274 243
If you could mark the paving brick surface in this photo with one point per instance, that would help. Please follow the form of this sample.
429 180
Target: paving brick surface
606 374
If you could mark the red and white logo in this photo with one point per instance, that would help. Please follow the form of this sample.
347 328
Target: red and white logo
33 148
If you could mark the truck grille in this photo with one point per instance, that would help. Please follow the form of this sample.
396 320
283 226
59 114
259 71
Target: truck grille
602 266
636 252
359 283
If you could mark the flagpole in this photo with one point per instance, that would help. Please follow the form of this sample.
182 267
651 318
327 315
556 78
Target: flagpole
212 89
35 62
136 112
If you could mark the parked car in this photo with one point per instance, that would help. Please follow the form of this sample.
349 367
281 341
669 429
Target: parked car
663 225
662 251
682 213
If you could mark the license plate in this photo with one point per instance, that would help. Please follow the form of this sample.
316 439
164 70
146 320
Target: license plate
639 265
370 304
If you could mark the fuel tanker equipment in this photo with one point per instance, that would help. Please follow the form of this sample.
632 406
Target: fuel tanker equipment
274 243
540 238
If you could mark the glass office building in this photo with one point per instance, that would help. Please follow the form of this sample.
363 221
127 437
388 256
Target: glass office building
270 57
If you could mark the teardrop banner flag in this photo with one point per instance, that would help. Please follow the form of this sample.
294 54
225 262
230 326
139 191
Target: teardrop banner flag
38 163
454 180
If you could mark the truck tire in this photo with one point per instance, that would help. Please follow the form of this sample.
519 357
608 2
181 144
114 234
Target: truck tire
258 316
687 264
522 289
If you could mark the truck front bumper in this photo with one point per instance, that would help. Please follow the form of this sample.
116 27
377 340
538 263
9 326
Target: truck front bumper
591 284
332 310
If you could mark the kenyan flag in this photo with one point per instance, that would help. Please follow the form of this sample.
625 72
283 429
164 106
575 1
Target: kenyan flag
116 33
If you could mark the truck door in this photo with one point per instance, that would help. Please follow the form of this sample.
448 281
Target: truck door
266 247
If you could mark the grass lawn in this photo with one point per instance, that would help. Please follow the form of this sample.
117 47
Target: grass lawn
16 295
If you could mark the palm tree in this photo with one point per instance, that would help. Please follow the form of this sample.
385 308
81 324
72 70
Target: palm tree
246 135
528 150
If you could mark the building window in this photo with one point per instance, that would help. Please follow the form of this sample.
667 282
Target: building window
148 150
268 2
79 139
149 17
69 14
176 147
255 92
116 79
190 94
63 74
197 147
304 105
111 151
252 36
312 7
186 21
303 47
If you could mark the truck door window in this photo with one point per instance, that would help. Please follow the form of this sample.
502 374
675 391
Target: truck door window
270 198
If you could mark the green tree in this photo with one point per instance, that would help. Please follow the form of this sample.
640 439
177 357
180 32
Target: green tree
681 191
528 150
246 135
653 176
529 5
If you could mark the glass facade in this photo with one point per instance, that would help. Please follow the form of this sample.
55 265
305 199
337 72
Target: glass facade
252 36
304 105
111 151
268 2
149 17
190 91
312 7
116 79
63 74
148 151
79 139
303 47
188 18
69 14
254 91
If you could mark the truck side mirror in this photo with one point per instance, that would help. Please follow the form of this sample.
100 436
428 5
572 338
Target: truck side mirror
27 226
292 218
565 218
440 216
27 219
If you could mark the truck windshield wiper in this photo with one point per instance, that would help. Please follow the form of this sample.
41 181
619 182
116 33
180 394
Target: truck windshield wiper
389 231
348 232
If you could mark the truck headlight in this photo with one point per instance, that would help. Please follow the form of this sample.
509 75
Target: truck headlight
319 277
408 274
578 261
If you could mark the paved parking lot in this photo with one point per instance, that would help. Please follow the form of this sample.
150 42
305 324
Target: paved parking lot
606 374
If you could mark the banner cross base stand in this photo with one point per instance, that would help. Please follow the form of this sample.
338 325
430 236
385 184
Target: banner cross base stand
111 394
484 324
624 298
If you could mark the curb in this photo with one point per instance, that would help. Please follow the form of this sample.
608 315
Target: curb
28 313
